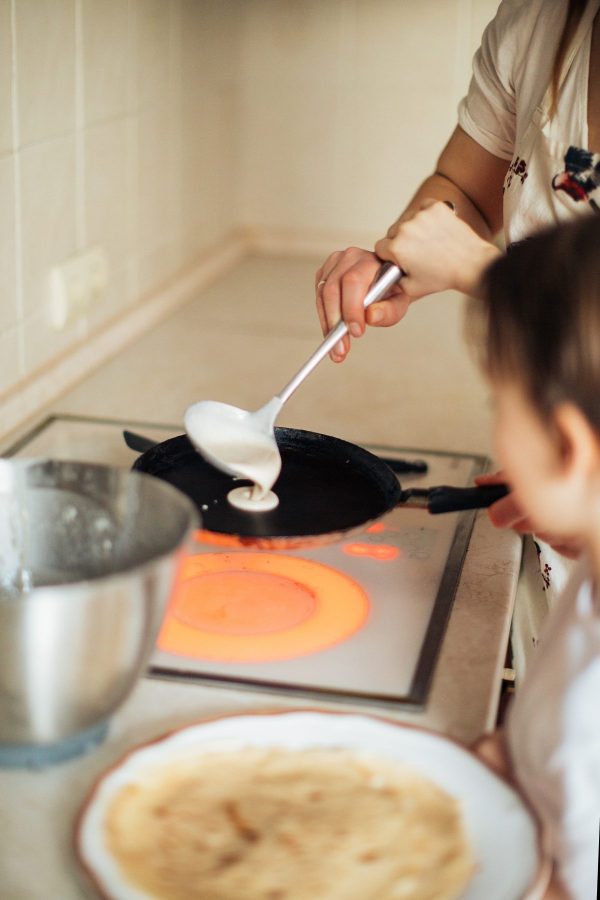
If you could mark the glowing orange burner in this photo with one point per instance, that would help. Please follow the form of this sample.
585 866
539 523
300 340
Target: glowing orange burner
258 607
376 528
242 602
383 552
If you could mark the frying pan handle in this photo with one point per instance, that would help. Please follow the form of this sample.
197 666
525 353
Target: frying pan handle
445 499
388 275
138 442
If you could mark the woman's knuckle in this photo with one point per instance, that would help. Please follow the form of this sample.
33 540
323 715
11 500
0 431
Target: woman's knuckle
352 278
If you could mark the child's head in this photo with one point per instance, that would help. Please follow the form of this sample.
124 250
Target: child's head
540 348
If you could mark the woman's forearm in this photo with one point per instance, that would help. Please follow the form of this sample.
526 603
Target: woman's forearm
436 250
439 187
469 176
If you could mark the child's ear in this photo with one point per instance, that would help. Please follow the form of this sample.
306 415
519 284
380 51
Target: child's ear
578 442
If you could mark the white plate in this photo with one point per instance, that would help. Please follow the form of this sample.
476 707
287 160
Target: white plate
502 831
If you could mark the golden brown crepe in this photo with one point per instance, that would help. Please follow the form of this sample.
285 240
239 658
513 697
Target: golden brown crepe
272 824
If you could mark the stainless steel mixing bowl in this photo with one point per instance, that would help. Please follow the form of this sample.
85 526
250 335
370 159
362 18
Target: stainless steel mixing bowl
88 555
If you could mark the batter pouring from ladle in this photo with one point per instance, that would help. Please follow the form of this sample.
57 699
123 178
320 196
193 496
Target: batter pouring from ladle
227 439
242 443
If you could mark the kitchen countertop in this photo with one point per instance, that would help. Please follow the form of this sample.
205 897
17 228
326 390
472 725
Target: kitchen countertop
240 341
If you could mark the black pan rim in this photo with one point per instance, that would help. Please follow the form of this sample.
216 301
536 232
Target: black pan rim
171 454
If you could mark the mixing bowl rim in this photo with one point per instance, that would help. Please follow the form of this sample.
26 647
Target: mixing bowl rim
109 578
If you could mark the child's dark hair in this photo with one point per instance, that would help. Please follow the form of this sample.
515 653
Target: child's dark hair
539 324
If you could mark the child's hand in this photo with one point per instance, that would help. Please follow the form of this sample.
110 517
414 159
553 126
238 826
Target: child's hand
491 749
506 513
555 889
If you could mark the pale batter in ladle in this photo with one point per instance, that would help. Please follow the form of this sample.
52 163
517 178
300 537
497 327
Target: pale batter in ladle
242 443
239 442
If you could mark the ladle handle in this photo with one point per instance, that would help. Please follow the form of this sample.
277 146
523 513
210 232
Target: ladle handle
388 275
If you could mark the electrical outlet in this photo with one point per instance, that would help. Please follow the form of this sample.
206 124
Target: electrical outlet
76 285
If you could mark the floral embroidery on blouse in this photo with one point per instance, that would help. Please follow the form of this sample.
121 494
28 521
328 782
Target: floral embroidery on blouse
581 177
545 569
517 169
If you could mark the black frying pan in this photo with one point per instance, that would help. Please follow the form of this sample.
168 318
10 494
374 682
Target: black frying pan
326 487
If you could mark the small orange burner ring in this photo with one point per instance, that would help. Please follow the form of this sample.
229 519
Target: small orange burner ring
384 552
376 528
259 607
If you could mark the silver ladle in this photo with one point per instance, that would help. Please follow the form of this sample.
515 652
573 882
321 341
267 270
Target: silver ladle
241 442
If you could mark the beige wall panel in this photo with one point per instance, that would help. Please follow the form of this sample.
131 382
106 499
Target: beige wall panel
6 48
45 34
345 107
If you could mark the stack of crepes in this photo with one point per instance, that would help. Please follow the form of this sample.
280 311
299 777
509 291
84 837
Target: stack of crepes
273 824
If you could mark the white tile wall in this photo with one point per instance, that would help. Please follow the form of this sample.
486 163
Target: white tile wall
92 136
345 106
110 187
45 35
153 34
210 130
154 146
155 127
294 64
108 58
42 346
121 294
6 136
8 284
9 356
48 215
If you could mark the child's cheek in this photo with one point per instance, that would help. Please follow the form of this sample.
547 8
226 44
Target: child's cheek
504 446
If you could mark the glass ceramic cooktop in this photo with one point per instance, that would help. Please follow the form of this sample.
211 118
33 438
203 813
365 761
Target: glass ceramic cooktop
359 620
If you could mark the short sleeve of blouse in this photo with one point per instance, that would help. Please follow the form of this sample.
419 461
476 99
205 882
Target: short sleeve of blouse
488 112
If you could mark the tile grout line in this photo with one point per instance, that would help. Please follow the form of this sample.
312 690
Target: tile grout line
83 326
17 195
79 130
174 104
93 123
133 155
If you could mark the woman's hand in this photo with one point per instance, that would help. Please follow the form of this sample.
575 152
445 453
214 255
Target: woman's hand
437 251
471 179
506 513
341 284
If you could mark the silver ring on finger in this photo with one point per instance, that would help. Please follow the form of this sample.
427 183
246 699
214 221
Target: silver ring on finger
321 283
